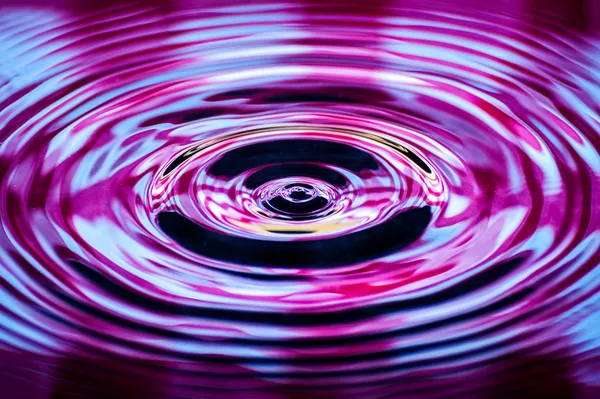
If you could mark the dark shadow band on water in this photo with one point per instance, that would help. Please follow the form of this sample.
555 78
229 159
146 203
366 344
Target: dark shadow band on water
252 156
383 239
295 170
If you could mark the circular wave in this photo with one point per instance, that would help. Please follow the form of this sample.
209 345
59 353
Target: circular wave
234 200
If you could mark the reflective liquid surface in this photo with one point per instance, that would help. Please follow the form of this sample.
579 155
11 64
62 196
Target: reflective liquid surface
292 200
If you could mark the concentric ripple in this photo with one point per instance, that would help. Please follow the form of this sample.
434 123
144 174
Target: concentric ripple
298 200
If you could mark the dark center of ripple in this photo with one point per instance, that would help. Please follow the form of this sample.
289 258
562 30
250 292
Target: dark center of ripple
298 200
326 198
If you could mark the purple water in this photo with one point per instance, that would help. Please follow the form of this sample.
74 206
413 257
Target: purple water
296 200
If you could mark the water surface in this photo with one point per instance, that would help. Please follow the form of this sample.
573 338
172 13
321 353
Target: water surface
296 199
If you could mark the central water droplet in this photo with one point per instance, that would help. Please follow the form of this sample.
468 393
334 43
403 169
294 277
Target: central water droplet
298 193
297 198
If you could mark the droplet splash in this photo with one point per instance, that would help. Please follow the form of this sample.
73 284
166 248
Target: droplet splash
298 200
